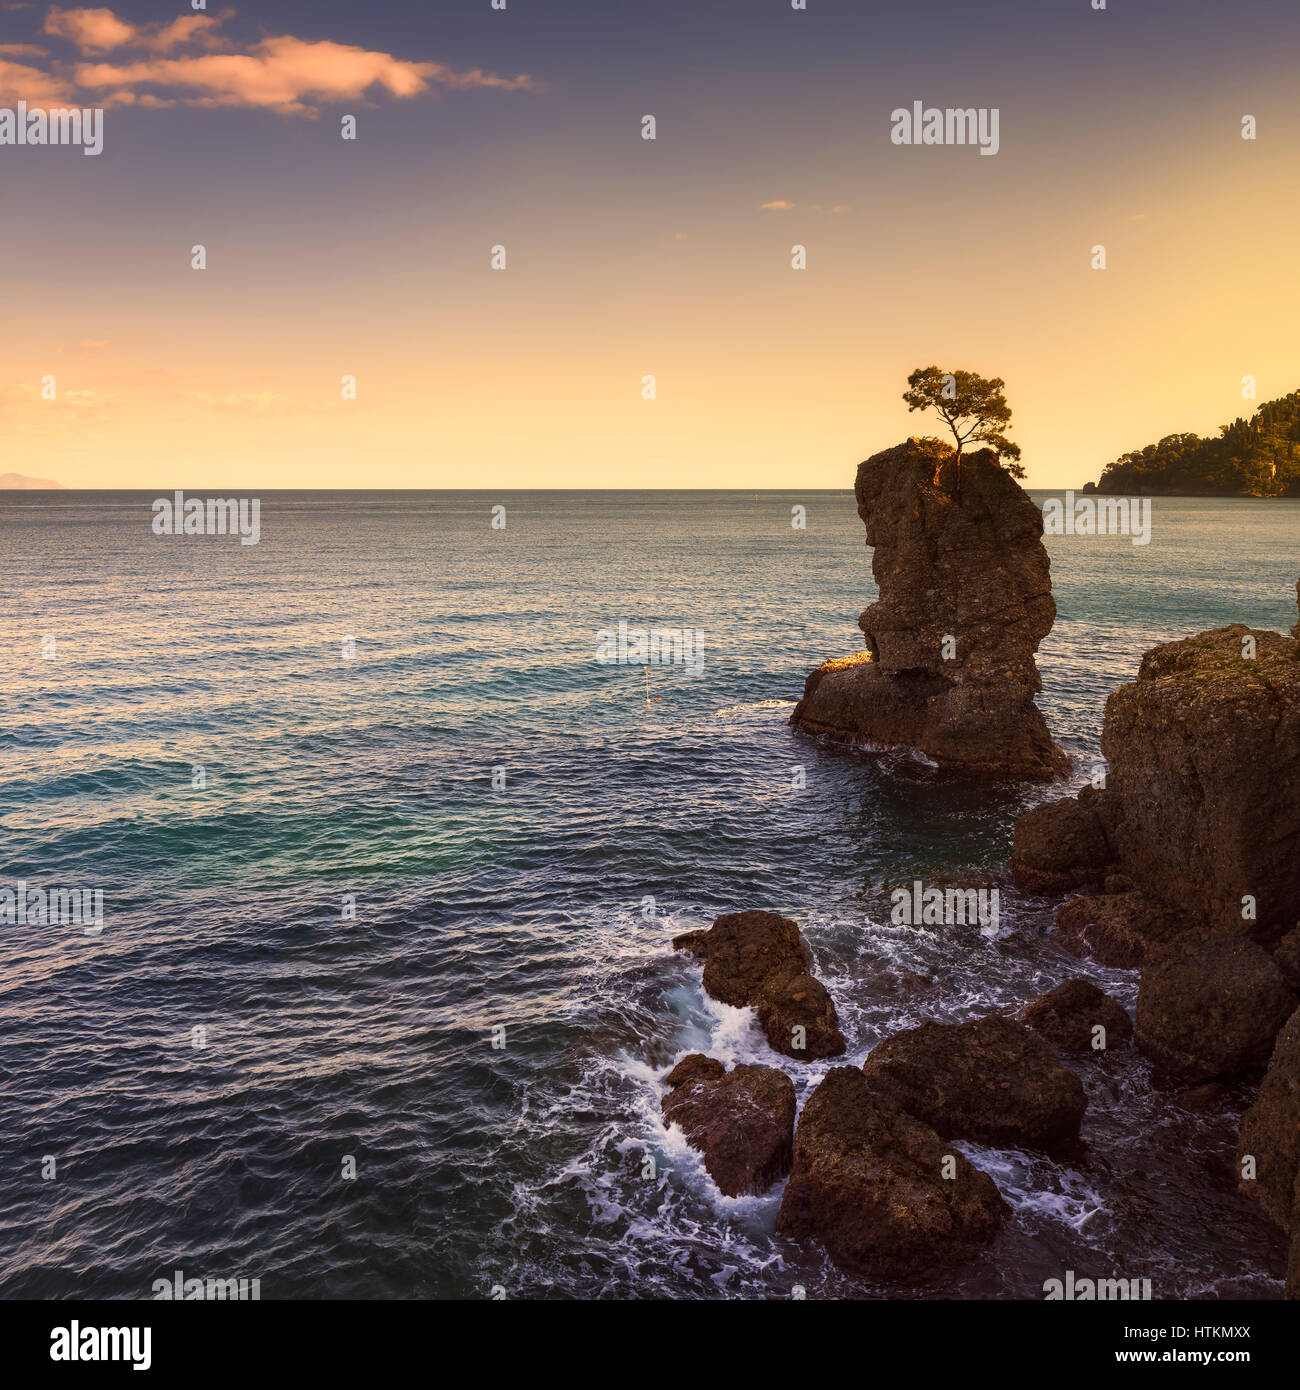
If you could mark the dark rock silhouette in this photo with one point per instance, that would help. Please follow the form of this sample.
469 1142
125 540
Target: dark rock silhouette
742 1120
1068 1015
965 599
990 1080
879 1189
759 959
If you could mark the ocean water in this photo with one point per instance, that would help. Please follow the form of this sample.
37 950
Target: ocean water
540 903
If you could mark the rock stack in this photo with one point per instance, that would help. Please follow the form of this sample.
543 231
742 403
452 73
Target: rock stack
965 599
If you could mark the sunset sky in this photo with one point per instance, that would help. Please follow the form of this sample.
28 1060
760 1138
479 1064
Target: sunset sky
628 257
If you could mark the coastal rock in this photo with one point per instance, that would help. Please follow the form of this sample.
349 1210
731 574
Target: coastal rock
990 1080
1270 1134
742 1120
1287 958
1061 846
1209 1006
759 959
1201 815
797 1015
1204 754
1118 929
965 599
1068 1015
869 1184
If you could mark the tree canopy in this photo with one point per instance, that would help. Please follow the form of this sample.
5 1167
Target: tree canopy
1256 457
972 406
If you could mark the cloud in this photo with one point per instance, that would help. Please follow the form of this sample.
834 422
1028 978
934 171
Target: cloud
93 31
779 206
190 61
23 50
39 89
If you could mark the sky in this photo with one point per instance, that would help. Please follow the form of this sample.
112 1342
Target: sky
628 258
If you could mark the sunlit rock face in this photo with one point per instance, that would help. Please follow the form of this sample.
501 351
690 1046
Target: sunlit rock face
965 598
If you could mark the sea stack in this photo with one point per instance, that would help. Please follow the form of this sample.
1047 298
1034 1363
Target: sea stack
965 599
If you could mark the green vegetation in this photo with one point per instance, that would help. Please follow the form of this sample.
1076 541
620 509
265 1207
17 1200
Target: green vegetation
1259 457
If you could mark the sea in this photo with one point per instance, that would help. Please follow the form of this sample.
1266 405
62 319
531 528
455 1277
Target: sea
391 855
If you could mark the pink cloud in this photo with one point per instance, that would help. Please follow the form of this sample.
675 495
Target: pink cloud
93 31
283 74
20 82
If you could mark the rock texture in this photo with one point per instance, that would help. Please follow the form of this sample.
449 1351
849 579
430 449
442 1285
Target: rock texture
868 1183
966 564
1209 1006
1119 929
990 1080
1287 958
742 1120
1270 1134
1204 754
1068 1015
759 959
1061 846
1196 843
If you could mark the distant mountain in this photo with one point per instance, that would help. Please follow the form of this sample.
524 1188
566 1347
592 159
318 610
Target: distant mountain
1259 457
20 480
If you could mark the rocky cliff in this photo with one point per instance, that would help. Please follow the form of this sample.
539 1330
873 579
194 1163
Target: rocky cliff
965 599
1188 866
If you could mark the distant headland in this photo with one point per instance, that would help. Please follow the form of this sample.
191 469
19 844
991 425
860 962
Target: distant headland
20 480
1259 457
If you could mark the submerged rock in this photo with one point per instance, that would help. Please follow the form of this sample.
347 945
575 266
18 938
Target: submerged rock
742 1120
1069 1015
965 599
759 959
1209 1006
879 1189
990 1080
1204 1100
